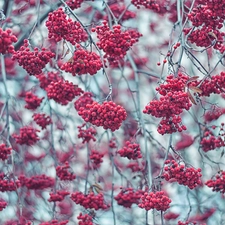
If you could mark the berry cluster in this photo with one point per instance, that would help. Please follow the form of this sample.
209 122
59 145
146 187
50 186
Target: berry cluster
42 120
96 158
54 222
85 99
89 201
214 114
59 27
159 6
85 219
63 91
207 18
134 166
63 173
32 101
172 103
130 150
128 196
3 205
74 4
37 182
187 176
214 85
4 151
86 134
7 184
115 43
32 61
46 80
119 11
157 200
6 40
210 141
58 196
83 62
218 183
108 115
112 143
27 136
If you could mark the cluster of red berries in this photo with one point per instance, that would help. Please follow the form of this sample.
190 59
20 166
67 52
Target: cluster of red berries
218 183
89 201
3 204
112 143
55 222
115 43
128 196
46 80
108 115
58 196
155 200
134 166
37 182
119 11
86 134
160 6
59 27
172 103
4 151
7 184
213 85
213 114
208 18
85 219
82 101
96 158
32 61
63 91
32 101
74 4
210 141
63 172
130 151
187 176
6 40
42 120
27 136
83 62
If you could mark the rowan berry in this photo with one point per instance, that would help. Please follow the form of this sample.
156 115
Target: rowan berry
6 40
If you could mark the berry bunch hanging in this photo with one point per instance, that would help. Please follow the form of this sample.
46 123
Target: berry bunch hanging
155 200
86 134
59 27
108 115
89 201
83 62
130 150
63 91
27 136
115 43
82 101
8 184
128 196
32 101
85 219
32 61
58 196
96 158
187 176
217 183
42 120
63 172
172 103
6 40
5 152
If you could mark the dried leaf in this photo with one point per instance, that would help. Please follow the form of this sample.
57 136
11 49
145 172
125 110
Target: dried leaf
195 89
70 60
211 34
191 97
97 188
192 79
